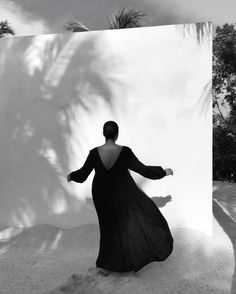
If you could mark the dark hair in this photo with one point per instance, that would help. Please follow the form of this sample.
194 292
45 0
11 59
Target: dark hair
110 129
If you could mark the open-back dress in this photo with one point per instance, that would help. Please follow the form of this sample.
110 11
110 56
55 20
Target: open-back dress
133 232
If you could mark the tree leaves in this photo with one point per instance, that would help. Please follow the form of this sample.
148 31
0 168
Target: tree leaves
5 29
126 19
121 20
75 26
224 92
224 65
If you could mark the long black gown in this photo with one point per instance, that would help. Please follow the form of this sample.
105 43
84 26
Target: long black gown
133 232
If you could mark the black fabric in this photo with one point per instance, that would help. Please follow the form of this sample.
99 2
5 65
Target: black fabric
133 232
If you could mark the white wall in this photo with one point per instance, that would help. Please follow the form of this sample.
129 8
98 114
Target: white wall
57 92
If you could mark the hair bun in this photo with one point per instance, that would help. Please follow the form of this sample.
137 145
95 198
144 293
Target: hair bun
110 129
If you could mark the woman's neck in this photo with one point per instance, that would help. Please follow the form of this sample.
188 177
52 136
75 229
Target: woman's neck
110 141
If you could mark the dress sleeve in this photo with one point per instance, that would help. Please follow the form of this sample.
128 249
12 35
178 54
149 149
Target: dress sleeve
81 174
147 171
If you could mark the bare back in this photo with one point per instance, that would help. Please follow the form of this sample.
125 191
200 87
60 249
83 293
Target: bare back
109 153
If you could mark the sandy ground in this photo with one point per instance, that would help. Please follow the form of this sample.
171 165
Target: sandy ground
46 259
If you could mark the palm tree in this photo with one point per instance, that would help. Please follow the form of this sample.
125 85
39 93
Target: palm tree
129 19
120 20
5 29
75 26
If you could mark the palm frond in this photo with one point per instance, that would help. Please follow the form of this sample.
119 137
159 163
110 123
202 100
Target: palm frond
75 26
126 19
5 29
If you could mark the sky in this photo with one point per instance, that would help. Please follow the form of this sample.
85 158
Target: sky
60 96
31 17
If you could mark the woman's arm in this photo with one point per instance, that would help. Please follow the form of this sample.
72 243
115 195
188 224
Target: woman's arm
81 174
151 172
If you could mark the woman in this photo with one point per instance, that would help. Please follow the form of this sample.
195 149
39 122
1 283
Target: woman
133 232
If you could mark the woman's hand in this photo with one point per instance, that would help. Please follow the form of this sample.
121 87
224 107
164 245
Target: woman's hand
169 172
68 178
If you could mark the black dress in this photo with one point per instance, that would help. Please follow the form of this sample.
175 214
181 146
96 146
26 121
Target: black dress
133 232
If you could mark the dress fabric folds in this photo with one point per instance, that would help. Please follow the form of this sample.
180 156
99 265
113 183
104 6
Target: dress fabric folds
133 232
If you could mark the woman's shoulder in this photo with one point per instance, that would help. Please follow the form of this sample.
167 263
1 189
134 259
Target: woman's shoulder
126 147
93 150
100 146
127 150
